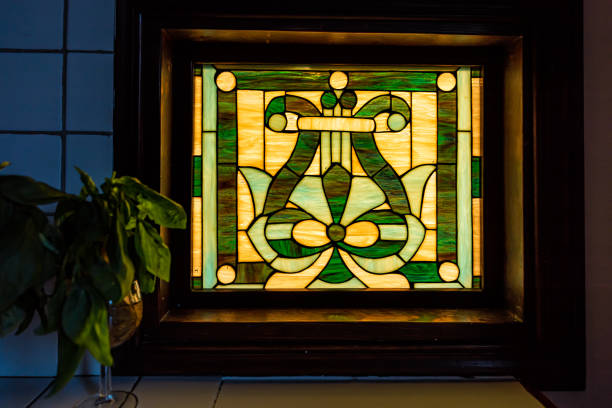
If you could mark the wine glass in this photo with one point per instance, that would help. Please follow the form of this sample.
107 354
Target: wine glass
124 318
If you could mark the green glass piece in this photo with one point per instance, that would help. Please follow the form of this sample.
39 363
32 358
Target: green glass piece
476 72
197 176
280 189
282 80
276 105
258 182
447 213
336 232
382 217
416 234
226 220
288 215
364 195
303 152
393 81
387 264
464 207
414 182
476 282
277 122
309 196
421 272
475 177
258 237
226 122
396 122
349 284
390 183
380 249
209 100
367 153
464 100
335 271
399 105
196 283
447 127
252 272
197 70
209 209
336 184
329 99
375 106
348 99
291 249
393 232
292 265
301 106
279 231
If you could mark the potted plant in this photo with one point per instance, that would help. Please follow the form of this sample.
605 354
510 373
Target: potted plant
101 246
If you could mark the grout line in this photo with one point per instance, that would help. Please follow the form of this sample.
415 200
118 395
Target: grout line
40 394
218 393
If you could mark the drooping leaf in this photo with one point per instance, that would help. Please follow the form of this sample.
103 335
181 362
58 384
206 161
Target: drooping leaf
104 280
10 318
77 316
69 356
152 251
4 164
54 309
146 281
89 186
27 191
98 341
119 258
160 209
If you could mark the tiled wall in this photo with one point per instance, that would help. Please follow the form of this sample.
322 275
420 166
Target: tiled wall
56 85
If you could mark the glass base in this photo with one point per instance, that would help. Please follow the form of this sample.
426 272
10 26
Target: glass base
123 399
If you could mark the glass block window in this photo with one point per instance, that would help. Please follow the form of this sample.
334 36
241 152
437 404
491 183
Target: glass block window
327 178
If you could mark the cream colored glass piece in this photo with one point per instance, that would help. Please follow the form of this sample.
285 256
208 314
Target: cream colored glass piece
246 250
246 211
424 128
293 265
356 165
349 284
196 236
279 231
309 196
338 80
364 97
335 147
374 281
464 208
346 151
226 81
447 81
325 151
428 208
416 234
448 271
364 195
226 274
476 121
336 123
391 232
315 166
476 230
414 184
258 182
464 99
383 206
197 116
313 97
292 119
209 115
278 148
299 280
250 128
269 95
437 285
209 210
381 122
361 234
310 233
243 286
427 250
258 238
395 148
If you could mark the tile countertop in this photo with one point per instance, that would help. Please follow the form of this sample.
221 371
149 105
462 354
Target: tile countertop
303 392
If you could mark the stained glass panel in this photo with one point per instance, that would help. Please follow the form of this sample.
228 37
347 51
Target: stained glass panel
327 178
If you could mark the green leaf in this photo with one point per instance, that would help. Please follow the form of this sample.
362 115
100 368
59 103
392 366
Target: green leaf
104 280
77 316
10 319
4 164
54 310
120 261
160 209
98 340
69 356
88 184
27 191
152 251
146 281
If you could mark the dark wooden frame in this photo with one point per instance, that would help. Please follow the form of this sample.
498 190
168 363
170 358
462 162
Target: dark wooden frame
533 327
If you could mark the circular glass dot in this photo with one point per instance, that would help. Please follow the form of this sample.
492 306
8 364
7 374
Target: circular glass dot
348 99
448 272
226 274
447 81
338 80
226 81
336 232
396 122
328 99
277 122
